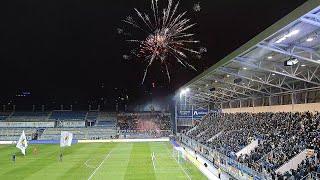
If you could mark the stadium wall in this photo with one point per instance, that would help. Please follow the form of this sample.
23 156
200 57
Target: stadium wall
312 107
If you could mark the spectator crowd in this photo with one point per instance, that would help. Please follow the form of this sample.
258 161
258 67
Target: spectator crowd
280 136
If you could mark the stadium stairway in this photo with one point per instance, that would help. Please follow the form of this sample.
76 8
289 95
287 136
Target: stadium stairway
294 162
215 136
192 129
249 148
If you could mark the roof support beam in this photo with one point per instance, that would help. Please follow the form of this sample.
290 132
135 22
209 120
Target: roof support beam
240 86
233 90
312 19
274 69
213 95
202 99
275 48
261 81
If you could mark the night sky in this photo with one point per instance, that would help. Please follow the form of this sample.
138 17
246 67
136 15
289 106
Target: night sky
68 51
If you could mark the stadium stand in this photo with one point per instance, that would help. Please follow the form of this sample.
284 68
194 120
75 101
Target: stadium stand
144 121
93 115
4 115
106 119
105 125
144 124
68 115
29 116
13 134
80 133
281 137
268 91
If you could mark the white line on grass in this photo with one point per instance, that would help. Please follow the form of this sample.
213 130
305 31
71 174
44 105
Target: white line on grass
153 157
107 156
88 166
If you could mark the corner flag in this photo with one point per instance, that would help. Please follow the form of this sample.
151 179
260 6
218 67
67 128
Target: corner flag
22 143
66 139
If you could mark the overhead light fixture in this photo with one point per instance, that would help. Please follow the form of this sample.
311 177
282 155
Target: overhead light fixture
303 65
244 68
309 39
228 75
273 74
215 81
270 57
290 34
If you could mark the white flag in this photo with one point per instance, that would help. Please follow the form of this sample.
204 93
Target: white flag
66 139
22 143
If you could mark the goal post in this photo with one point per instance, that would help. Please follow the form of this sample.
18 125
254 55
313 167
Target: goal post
183 161
178 155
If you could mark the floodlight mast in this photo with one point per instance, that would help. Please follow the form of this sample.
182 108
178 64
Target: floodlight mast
184 92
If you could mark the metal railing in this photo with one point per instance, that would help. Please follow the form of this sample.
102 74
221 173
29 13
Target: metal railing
227 164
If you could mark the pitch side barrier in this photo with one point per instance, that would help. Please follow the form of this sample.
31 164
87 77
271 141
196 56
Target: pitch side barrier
92 141
38 142
221 161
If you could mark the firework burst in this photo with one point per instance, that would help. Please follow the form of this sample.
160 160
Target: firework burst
166 36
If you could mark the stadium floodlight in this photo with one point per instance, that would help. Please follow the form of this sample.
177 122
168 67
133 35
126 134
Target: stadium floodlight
184 91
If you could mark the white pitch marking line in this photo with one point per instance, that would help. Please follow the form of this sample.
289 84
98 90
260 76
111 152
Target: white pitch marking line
88 166
107 156
153 157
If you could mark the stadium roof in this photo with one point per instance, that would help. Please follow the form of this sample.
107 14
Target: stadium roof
257 69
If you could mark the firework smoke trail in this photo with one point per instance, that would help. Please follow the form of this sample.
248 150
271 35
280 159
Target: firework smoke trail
166 36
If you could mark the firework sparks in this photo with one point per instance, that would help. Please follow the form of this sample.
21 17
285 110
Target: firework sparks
126 57
203 50
165 37
197 7
119 31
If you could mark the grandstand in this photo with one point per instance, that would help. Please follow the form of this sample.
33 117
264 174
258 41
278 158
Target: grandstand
84 125
262 104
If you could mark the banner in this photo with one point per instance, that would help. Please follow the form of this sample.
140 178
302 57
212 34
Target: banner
184 114
73 124
199 113
26 124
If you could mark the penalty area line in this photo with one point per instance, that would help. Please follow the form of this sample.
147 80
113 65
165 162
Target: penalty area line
94 172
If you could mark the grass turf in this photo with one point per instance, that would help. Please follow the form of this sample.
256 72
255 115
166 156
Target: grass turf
112 161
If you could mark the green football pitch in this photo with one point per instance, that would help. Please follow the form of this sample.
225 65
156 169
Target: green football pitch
110 161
